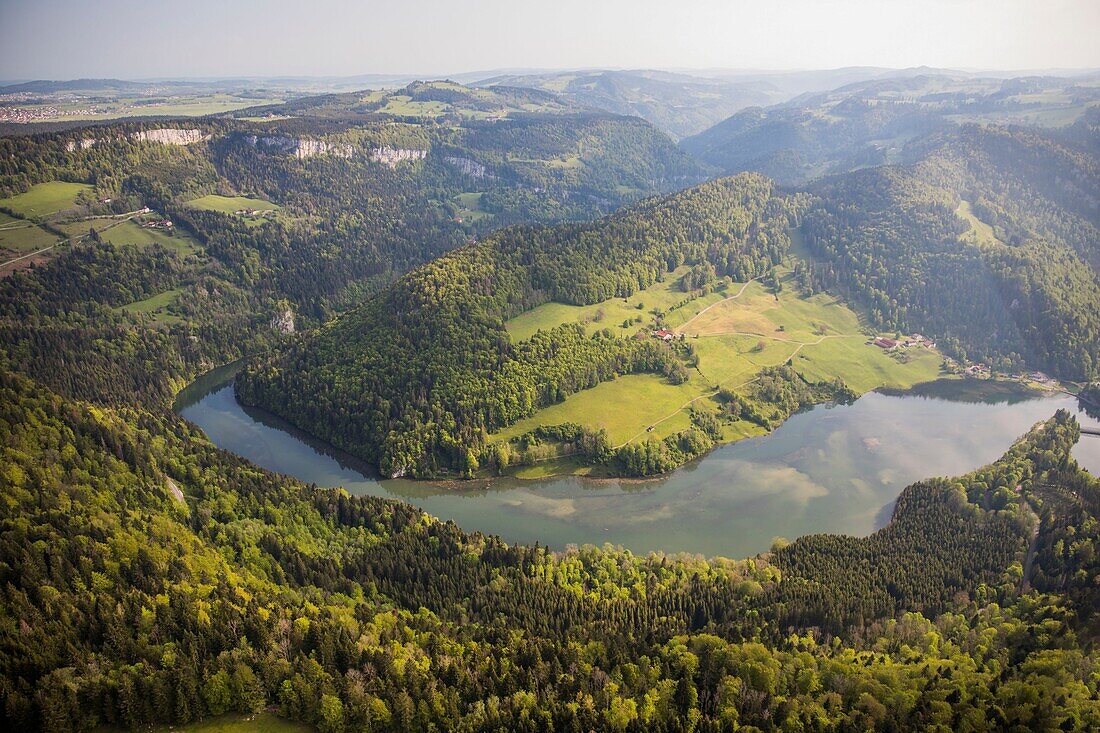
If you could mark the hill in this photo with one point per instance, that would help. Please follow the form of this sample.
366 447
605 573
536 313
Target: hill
872 122
427 367
416 379
678 104
990 242
149 578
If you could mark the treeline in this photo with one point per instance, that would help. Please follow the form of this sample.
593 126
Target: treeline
347 227
775 394
890 238
149 578
414 379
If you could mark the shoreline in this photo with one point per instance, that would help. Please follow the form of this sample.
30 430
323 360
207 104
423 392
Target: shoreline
222 375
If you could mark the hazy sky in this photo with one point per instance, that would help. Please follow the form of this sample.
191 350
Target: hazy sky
61 39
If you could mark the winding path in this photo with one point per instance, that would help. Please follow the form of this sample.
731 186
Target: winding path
723 300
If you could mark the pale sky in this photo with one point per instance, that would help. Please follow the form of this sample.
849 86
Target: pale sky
64 39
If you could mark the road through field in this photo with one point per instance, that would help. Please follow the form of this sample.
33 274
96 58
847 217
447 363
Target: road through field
723 300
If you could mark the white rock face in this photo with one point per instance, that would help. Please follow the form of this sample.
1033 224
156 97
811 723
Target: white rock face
300 148
171 136
283 322
82 144
307 148
392 156
468 167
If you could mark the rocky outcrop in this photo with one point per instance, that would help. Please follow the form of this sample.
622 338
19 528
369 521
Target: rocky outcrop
468 167
283 321
300 148
82 144
170 136
308 148
392 156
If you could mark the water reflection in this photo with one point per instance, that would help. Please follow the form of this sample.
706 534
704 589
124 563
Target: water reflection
830 469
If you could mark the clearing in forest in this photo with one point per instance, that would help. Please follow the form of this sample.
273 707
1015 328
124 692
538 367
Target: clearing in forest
734 333
44 199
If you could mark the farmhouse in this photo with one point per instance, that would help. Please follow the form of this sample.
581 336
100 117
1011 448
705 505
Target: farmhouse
663 334
885 343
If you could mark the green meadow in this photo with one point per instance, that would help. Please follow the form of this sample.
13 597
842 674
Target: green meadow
470 206
231 204
156 306
735 332
129 231
23 237
980 233
665 296
45 199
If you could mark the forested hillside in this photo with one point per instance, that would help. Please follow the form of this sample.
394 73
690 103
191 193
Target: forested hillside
990 243
985 244
349 201
151 578
148 578
413 380
679 104
871 123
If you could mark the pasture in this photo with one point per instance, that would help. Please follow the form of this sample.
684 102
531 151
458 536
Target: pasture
157 306
665 296
129 231
45 199
470 206
734 333
231 204
639 400
22 237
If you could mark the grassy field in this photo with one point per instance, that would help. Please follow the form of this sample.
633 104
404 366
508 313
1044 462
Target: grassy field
980 232
128 231
639 401
236 723
665 296
45 199
156 306
232 204
18 239
735 333
470 204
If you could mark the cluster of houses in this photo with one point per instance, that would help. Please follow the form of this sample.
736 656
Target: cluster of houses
916 339
158 224
254 212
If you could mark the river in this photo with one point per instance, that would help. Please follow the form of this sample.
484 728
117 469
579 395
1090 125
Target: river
834 469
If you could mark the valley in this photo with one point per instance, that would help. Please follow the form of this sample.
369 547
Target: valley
496 403
835 469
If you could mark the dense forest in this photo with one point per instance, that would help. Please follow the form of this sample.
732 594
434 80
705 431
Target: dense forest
151 578
1025 291
414 379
